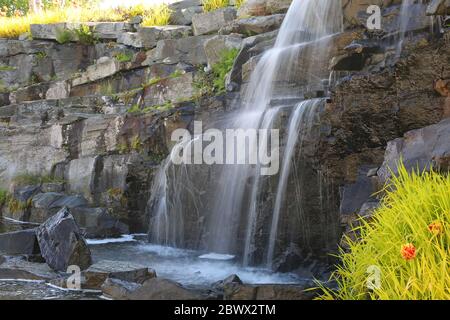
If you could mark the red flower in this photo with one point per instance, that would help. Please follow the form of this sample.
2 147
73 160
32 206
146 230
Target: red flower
408 251
436 228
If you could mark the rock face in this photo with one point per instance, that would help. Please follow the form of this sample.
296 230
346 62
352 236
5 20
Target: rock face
125 271
19 242
61 242
17 268
210 22
419 149
153 289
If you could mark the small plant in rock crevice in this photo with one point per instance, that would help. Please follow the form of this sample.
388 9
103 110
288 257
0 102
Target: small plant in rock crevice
123 56
86 35
64 36
4 197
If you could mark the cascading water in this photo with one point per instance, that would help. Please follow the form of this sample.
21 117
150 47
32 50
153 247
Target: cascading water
299 129
299 57
411 11
305 31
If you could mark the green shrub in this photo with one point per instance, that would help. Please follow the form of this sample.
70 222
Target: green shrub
85 35
134 109
4 197
64 36
407 242
123 56
221 69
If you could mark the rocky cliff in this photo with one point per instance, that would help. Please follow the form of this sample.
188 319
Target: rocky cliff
85 126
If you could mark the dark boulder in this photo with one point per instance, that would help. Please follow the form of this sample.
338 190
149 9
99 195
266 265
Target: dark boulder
98 223
19 242
62 243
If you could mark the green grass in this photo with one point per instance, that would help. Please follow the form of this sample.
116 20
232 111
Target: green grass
14 26
211 5
85 35
158 15
221 69
4 197
64 36
123 57
135 109
6 68
415 213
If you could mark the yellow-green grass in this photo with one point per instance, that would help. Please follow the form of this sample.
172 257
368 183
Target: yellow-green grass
211 5
416 212
12 27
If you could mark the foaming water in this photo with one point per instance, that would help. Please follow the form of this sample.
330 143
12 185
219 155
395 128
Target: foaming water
186 266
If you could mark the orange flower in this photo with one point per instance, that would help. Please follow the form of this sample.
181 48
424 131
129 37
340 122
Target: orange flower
436 228
408 251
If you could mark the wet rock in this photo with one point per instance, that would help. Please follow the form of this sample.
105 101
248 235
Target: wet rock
356 194
19 242
118 289
17 268
152 289
210 22
438 8
232 280
419 149
289 259
98 223
61 242
125 271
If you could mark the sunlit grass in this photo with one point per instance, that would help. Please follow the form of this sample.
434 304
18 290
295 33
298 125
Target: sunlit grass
415 214
12 27
211 5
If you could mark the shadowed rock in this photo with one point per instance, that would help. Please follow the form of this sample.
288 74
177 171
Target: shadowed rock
61 242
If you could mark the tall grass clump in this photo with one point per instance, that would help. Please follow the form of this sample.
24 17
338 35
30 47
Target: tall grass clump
157 15
239 3
4 196
406 245
211 5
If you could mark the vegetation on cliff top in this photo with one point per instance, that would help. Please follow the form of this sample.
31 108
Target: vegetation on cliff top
211 5
404 251
14 22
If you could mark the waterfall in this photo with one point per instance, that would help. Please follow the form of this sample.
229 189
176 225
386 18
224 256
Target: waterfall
298 131
299 59
411 10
